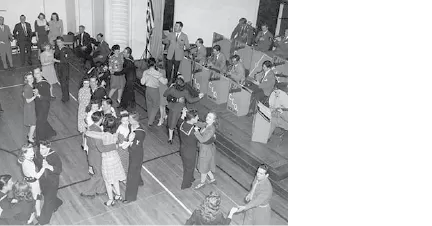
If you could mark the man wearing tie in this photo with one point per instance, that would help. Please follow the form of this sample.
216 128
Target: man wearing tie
62 55
5 44
258 210
84 48
177 42
264 39
266 82
23 34
218 60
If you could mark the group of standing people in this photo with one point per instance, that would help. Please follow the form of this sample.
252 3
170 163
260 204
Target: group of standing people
45 32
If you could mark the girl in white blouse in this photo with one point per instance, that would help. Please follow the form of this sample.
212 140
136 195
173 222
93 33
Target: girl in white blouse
31 175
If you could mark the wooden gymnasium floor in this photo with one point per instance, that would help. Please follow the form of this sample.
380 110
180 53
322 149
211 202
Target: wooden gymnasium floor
160 200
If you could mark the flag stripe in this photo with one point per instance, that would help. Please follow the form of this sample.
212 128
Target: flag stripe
150 25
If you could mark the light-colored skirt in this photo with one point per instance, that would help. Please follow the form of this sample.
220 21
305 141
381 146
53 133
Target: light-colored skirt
112 169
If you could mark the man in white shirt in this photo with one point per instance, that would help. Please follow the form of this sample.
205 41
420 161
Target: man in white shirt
278 104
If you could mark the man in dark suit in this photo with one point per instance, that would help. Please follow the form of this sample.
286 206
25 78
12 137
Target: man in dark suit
23 34
100 54
63 54
266 82
96 185
177 42
49 181
83 48
264 39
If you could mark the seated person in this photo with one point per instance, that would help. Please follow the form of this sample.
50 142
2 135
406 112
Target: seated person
237 72
281 46
218 60
266 82
84 47
100 54
278 104
200 52
264 39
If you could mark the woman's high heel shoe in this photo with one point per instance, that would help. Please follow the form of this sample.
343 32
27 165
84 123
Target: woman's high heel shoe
118 198
110 202
170 142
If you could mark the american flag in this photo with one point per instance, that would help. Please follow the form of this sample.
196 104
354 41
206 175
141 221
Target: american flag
150 25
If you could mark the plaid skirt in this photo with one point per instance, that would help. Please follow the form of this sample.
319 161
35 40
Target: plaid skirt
112 169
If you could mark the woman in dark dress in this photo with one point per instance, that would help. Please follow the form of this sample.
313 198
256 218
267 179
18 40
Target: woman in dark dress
44 131
177 95
208 213
136 156
41 29
188 145
129 70
29 106
25 205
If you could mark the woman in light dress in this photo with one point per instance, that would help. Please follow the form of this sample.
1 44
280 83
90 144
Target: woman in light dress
56 28
31 175
207 149
47 60
84 95
163 101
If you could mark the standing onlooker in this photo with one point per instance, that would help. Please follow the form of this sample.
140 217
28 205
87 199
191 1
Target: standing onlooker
44 130
127 101
84 95
23 34
118 81
207 149
5 44
177 95
31 175
151 79
258 210
29 107
209 212
49 182
41 30
47 61
188 145
177 42
56 28
62 54
136 156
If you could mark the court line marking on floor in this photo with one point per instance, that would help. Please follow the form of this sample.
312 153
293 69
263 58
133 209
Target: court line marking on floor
165 188
6 87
